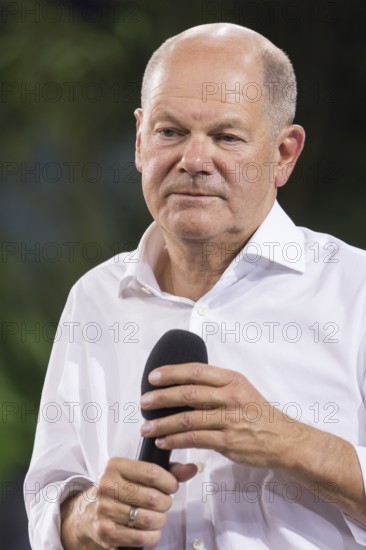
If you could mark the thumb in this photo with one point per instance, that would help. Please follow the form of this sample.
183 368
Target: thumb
183 472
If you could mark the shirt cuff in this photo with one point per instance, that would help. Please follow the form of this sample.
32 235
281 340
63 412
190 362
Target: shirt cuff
357 529
45 516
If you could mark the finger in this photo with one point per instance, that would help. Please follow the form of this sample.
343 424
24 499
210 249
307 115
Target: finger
143 497
114 535
183 422
140 473
147 520
192 373
206 419
203 397
130 494
199 439
136 538
183 472
238 447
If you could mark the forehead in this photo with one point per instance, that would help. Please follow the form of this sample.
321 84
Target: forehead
206 74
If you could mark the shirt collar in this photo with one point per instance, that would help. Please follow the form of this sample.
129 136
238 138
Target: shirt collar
142 262
276 241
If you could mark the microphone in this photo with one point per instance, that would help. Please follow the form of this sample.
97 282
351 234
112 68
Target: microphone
174 347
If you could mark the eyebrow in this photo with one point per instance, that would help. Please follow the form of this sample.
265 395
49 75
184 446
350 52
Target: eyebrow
230 122
166 116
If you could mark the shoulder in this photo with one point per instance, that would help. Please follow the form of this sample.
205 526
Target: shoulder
328 246
330 254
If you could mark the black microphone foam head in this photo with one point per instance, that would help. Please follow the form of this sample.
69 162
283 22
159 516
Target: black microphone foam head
174 347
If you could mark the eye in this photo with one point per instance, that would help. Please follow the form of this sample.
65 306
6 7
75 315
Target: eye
167 132
228 138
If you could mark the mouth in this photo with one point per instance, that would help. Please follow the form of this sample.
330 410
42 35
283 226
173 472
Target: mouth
192 194
192 198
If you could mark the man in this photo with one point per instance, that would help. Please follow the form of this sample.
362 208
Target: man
272 454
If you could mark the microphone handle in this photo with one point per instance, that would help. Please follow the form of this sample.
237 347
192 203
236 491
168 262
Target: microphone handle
151 453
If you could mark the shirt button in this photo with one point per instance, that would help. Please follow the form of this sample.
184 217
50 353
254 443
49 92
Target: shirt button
202 309
200 467
197 544
146 290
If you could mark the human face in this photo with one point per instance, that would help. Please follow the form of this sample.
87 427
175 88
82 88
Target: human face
207 164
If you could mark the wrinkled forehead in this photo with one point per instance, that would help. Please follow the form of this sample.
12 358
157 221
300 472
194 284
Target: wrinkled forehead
226 75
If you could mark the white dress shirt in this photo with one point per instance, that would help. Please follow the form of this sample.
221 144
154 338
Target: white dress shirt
288 312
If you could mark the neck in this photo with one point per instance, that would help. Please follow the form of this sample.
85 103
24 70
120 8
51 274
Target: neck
192 269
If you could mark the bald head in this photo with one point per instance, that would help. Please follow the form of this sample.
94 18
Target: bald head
238 46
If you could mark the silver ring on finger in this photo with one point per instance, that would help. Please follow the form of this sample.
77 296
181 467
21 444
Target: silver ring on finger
132 517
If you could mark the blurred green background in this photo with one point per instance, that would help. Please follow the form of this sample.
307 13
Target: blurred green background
70 195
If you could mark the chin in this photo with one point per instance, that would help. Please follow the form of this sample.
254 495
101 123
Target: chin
190 231
191 225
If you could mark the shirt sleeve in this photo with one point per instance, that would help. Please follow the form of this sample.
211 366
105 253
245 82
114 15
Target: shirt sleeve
44 509
57 465
357 529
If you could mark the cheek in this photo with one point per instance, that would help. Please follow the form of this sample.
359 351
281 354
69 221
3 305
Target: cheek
156 170
149 175
151 189
152 164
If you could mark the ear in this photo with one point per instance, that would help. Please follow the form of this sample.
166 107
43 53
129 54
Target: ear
289 146
138 116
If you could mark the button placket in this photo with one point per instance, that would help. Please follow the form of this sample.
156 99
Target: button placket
200 467
146 290
196 507
202 308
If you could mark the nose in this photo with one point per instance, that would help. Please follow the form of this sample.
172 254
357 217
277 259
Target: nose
196 158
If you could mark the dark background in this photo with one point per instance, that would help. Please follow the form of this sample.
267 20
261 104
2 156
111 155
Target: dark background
70 196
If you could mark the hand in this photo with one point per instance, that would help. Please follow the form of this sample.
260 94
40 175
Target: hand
104 510
230 415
